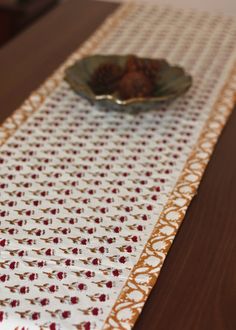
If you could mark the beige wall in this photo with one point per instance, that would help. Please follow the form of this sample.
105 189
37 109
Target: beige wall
223 6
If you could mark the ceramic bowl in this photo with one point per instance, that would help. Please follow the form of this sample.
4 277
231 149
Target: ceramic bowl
170 83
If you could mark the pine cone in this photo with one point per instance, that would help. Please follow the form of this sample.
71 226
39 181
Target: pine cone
135 84
149 67
132 64
105 77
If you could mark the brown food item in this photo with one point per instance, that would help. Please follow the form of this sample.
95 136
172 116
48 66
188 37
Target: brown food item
137 79
105 78
135 84
133 64
149 67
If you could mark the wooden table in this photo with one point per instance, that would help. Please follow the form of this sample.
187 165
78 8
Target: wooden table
197 286
16 15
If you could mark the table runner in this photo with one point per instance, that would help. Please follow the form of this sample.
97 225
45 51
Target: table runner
91 200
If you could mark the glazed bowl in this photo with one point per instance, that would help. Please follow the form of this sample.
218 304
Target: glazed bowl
170 83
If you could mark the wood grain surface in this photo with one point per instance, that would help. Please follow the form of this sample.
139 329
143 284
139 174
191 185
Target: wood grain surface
196 289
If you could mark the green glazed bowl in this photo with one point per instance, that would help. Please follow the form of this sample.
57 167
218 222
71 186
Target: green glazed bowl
170 83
